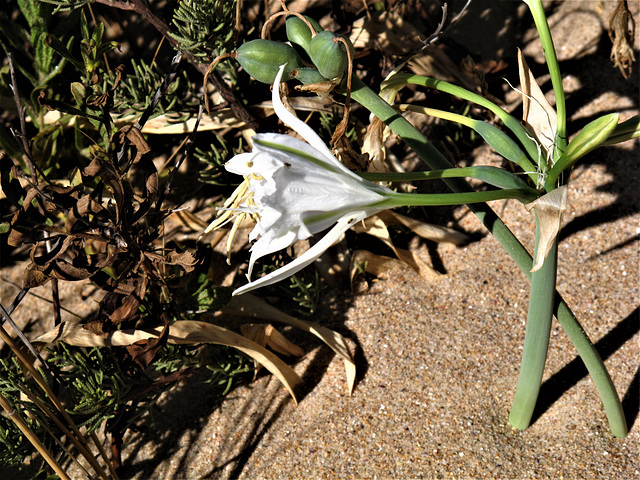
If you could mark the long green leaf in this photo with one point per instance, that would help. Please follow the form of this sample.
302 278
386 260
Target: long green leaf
496 138
590 137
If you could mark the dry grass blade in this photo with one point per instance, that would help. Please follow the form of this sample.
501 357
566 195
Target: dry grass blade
550 208
435 233
254 307
538 114
24 428
184 332
267 335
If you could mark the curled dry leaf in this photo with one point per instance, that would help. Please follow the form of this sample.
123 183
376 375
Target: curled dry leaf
183 332
249 306
539 116
267 335
376 227
428 231
549 208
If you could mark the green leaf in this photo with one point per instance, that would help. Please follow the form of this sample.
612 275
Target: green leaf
499 141
591 137
63 50
495 176
624 131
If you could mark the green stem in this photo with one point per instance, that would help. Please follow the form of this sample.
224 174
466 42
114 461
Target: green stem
436 161
490 175
440 199
595 367
536 338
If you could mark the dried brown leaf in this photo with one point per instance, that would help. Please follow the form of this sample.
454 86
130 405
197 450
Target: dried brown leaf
537 113
183 332
373 145
549 208
184 259
622 31
254 307
144 352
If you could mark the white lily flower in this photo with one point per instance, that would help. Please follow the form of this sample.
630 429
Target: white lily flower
296 189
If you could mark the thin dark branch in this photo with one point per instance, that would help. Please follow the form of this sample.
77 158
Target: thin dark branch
185 153
436 34
23 124
439 32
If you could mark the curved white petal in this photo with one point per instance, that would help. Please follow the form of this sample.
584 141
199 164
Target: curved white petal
309 256
296 124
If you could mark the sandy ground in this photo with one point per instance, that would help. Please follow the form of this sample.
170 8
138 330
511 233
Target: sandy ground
438 360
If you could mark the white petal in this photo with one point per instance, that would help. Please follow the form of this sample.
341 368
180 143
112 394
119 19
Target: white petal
296 124
269 243
307 257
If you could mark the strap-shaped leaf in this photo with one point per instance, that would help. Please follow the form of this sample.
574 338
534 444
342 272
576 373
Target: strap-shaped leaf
499 141
592 136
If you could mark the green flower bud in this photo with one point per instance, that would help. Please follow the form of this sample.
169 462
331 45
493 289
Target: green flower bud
262 59
298 32
328 56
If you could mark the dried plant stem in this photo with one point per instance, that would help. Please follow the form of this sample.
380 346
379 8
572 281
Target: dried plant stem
78 439
13 414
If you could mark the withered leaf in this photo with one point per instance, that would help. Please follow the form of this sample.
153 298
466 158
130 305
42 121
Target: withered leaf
101 166
265 334
9 181
83 207
33 277
182 332
137 140
254 307
549 208
127 311
539 116
184 259
144 352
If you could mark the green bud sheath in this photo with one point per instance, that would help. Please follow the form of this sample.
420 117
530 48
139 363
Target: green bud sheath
308 75
262 58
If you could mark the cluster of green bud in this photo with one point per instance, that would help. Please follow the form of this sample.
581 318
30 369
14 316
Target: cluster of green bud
328 58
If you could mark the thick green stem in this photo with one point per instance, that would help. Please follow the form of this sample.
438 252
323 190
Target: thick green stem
441 199
536 338
595 367
436 161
